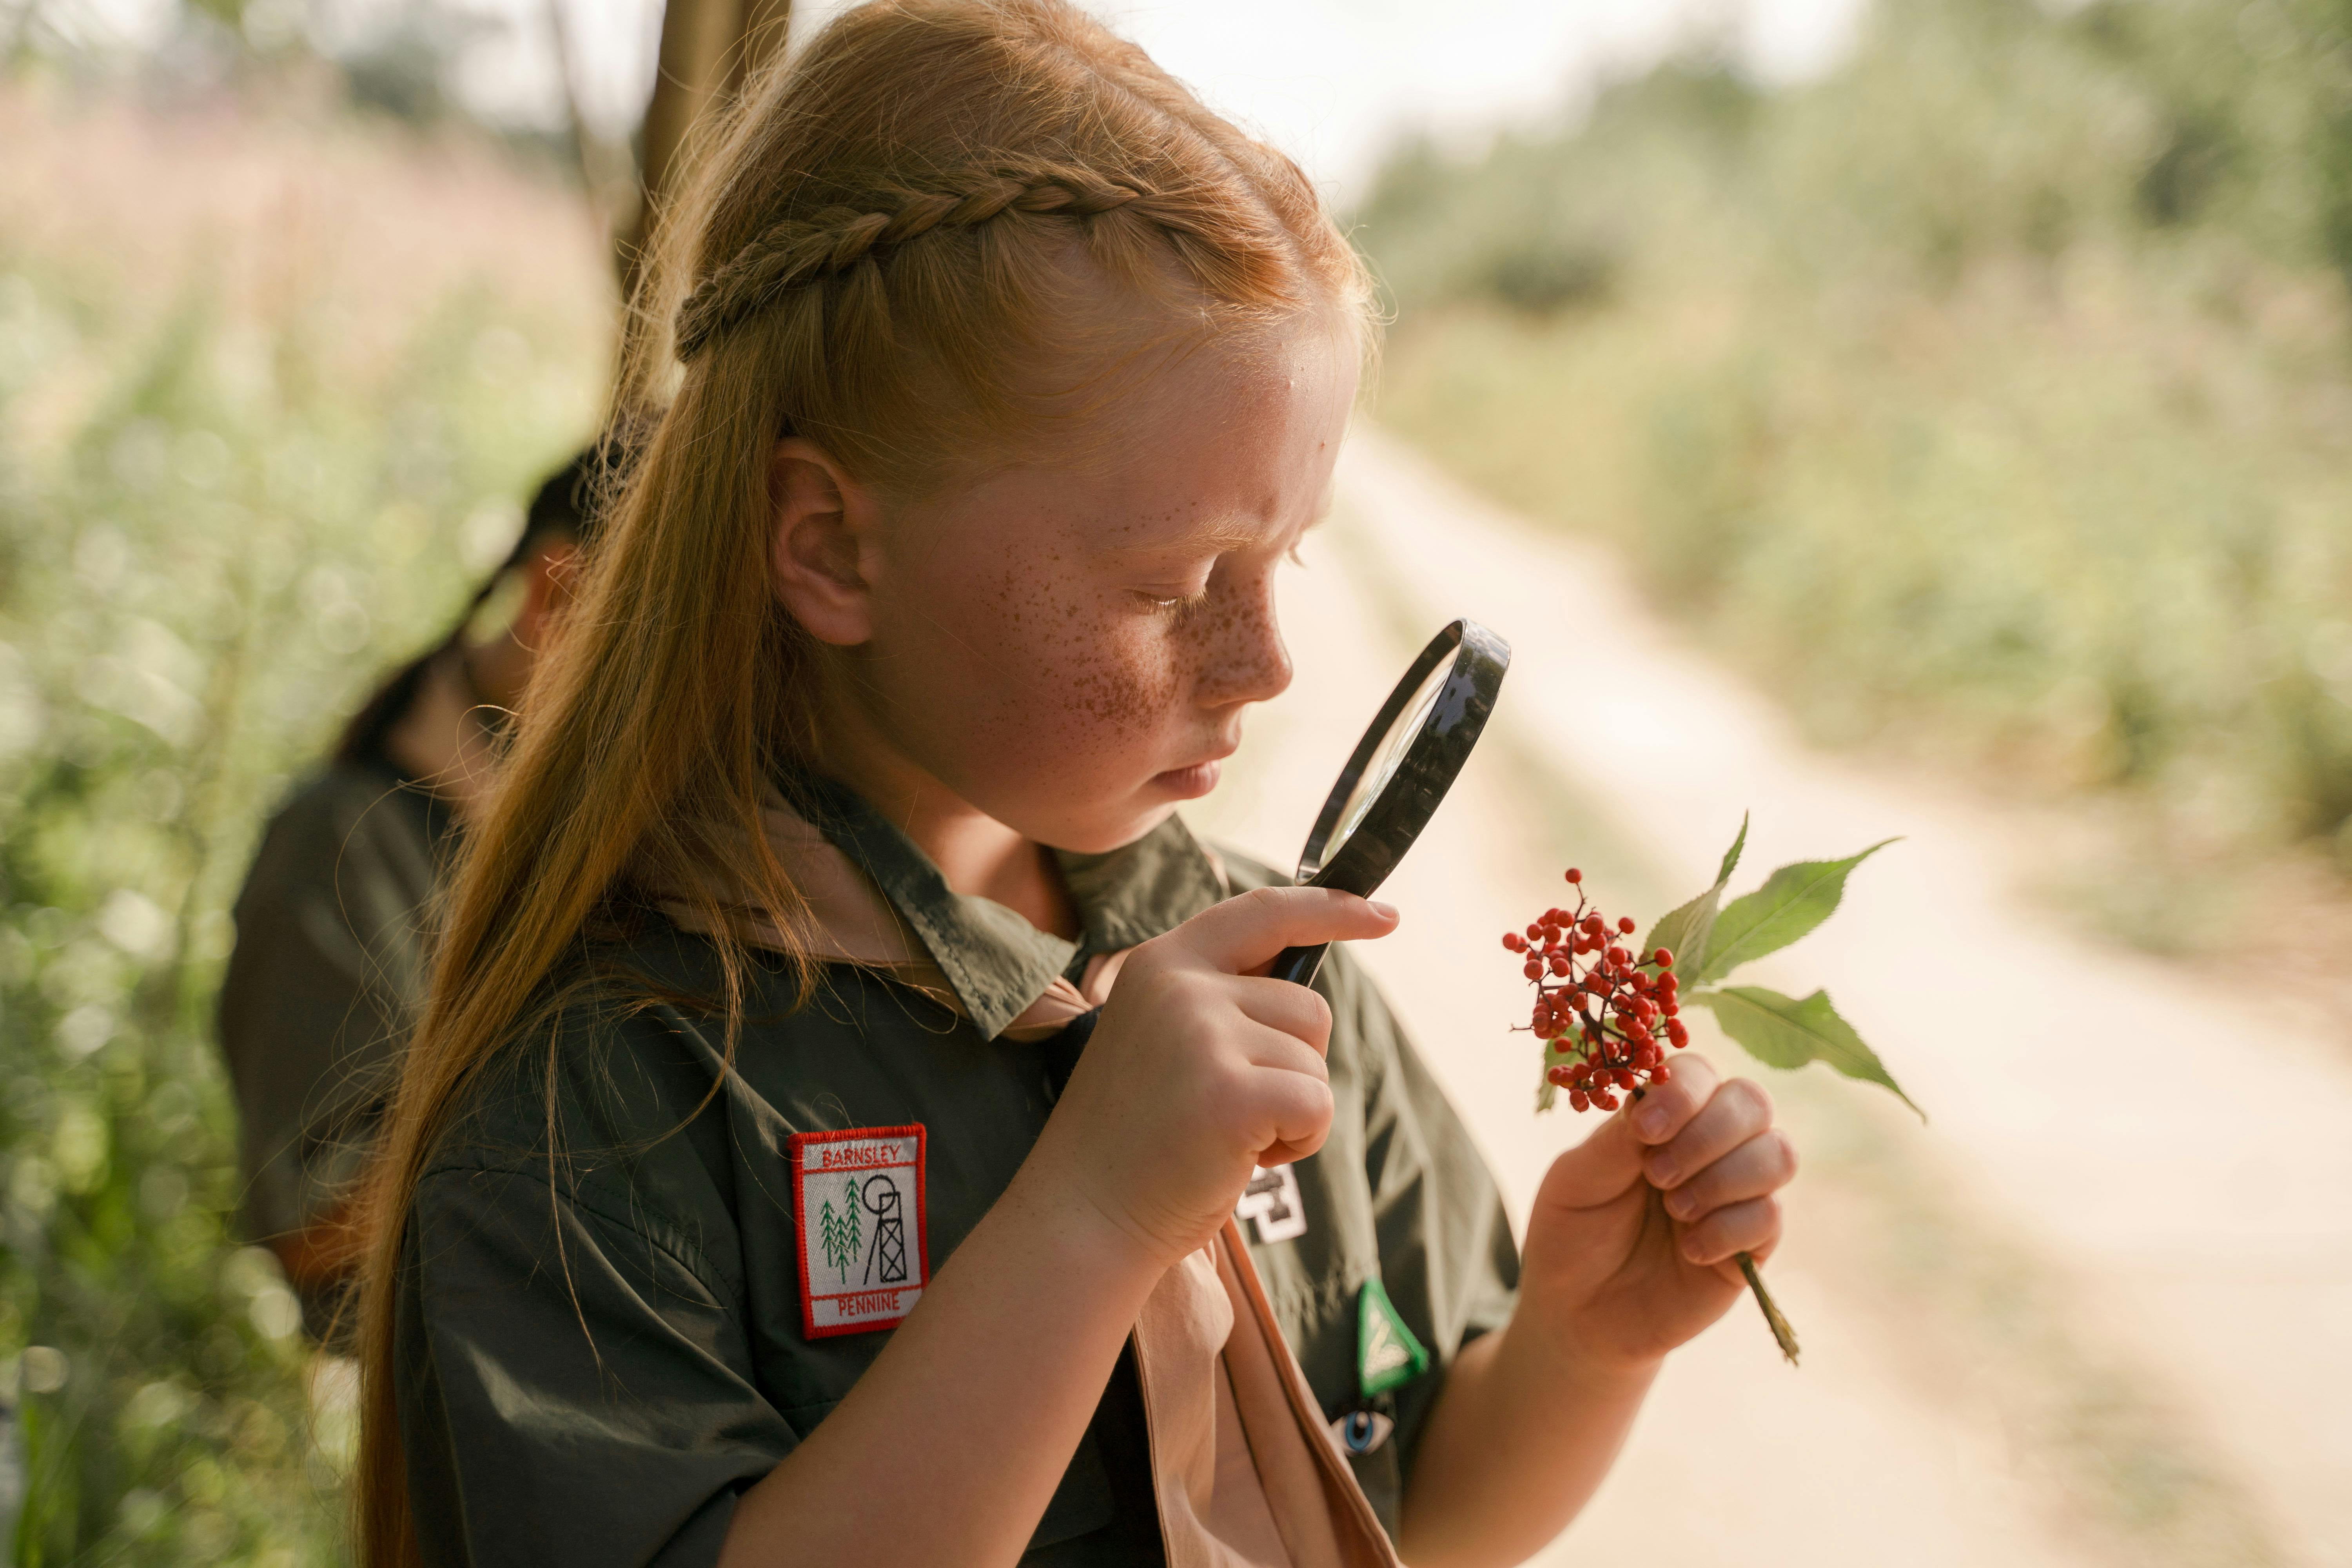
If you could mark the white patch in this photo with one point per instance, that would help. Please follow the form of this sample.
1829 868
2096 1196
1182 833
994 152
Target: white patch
1271 1201
864 1257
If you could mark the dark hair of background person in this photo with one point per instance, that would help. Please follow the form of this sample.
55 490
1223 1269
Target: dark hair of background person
570 505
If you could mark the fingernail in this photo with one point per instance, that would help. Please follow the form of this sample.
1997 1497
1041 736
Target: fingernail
1681 1202
1651 1120
1380 908
1661 1171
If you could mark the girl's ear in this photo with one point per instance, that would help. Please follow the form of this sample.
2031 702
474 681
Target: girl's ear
826 545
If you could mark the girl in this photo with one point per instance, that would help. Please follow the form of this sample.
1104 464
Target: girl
762 1187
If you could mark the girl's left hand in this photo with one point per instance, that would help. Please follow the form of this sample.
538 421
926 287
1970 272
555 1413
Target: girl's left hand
1632 1246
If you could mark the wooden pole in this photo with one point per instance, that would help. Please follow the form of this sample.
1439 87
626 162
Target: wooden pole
608 173
766 27
710 48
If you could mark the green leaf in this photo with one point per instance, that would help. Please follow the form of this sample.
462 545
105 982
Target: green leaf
1731 856
1782 1033
1685 931
1792 902
1547 1091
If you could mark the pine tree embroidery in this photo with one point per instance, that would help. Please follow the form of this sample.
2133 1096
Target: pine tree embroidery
840 1235
852 1234
829 1238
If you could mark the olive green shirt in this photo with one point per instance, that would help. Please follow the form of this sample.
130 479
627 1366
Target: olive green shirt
599 1351
324 983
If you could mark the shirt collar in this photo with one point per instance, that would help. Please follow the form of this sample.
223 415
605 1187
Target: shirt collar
996 961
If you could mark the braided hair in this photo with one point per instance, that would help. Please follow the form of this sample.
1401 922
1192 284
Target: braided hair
794 252
882 228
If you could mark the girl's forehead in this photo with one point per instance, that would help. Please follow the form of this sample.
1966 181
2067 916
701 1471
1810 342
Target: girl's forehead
1226 447
1220 450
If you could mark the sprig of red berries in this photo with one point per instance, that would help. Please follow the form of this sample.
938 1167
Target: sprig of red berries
1608 1015
1605 1014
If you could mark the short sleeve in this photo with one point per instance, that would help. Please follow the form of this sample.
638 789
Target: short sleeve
573 1390
327 966
1448 1262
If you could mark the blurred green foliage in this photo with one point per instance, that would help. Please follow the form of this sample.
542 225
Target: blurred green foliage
223 509
1991 396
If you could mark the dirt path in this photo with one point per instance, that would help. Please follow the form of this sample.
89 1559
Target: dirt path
2101 1322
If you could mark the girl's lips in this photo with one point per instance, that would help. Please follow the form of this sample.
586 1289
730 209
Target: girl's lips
1188 783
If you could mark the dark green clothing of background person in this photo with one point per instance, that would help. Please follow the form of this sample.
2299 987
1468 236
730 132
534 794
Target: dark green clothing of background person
329 972
323 987
601 1346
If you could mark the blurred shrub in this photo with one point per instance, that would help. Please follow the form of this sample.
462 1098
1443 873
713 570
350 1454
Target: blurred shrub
1993 396
253 445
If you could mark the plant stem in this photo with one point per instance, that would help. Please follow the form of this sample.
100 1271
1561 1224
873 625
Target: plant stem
1782 1334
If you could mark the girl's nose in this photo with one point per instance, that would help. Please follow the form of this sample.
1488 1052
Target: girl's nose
1244 659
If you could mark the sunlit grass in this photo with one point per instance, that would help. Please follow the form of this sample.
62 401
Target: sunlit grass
1910 393
271 388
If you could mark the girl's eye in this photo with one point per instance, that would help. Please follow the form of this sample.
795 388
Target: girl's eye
1161 599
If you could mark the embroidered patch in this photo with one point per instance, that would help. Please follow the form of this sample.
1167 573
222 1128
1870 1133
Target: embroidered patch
1362 1431
859 1208
1271 1202
1387 1355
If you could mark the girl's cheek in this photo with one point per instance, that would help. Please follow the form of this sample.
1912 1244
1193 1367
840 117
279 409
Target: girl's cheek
1232 648
1123 682
1070 663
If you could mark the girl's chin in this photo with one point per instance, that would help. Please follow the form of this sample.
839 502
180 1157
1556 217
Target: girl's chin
1186 784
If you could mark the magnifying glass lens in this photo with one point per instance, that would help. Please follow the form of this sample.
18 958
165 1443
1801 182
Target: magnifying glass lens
1394 745
1399 772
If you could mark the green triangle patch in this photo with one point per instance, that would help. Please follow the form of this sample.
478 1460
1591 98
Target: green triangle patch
1387 1355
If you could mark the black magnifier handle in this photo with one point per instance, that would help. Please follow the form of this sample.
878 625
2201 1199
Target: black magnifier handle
1397 772
1298 964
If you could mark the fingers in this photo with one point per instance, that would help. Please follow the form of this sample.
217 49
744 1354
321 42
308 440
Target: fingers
1286 1154
1665 1110
1596 1172
1284 1052
1600 1170
1295 1010
1758 1168
1279 1094
1753 1227
1718 1160
1737 1110
1242 933
1292 1109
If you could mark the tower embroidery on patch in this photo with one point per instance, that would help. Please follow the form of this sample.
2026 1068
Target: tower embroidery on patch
859 1210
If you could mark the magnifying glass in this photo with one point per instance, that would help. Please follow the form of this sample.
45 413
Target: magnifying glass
1400 770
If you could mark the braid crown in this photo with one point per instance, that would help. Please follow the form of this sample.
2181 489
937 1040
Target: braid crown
794 252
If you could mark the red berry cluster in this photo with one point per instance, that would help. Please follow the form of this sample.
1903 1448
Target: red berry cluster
1606 1014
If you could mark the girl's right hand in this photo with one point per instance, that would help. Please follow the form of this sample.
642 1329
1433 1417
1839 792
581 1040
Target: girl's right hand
1199 1069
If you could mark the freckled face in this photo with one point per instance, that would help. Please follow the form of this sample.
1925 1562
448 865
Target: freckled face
1069 647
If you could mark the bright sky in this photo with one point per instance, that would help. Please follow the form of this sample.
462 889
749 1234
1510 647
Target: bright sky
1334 82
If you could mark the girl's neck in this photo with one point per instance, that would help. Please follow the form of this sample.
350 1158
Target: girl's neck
975 852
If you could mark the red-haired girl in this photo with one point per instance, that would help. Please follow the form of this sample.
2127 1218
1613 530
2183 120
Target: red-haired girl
764 1186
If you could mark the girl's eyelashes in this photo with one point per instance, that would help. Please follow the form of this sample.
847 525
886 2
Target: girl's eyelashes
1172 598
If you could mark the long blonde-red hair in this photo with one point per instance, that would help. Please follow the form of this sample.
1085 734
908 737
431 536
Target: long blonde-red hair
865 256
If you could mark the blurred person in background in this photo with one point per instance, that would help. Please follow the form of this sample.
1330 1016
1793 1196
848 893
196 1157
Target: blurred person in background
330 958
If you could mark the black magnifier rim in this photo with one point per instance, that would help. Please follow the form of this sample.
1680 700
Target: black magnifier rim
1433 759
